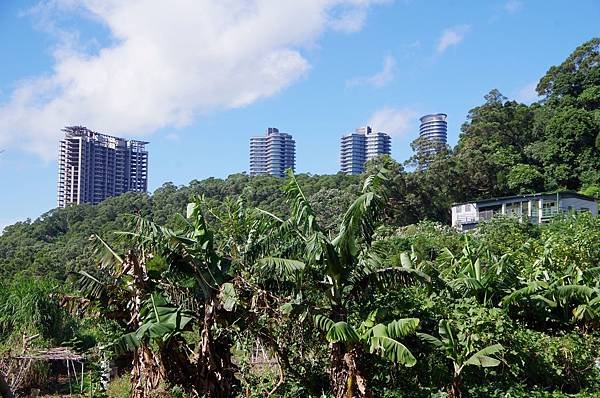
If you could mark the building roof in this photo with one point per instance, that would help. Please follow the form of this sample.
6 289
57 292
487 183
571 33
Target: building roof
82 130
567 194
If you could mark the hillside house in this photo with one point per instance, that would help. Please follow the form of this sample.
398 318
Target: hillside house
538 208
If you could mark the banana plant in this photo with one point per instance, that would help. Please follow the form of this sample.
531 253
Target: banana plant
478 272
347 270
565 302
460 349
167 281
160 321
378 338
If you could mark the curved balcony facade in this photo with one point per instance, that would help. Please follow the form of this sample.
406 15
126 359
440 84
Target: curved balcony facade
433 135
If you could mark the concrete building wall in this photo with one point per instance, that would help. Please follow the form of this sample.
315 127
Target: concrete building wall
464 213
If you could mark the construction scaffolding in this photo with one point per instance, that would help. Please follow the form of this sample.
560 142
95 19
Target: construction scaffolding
19 365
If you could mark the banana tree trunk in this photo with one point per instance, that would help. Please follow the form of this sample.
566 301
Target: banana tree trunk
338 374
179 369
347 376
216 372
147 372
454 390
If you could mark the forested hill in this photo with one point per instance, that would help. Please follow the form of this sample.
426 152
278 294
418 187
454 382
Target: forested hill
57 242
504 148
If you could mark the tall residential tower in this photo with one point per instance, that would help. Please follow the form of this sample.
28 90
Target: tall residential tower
94 166
432 137
272 153
359 147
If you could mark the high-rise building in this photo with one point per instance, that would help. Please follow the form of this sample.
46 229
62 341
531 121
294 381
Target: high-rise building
272 153
359 147
353 153
94 166
432 137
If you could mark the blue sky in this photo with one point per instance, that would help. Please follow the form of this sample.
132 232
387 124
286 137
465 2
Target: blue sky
198 78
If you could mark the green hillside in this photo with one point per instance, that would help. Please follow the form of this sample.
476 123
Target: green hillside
347 286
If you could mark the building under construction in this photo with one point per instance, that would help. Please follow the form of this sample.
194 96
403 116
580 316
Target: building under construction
94 166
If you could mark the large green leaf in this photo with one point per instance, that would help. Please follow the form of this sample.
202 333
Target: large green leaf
301 211
229 297
160 320
466 283
90 286
524 292
322 322
358 224
430 339
279 268
571 292
390 277
127 342
368 323
447 335
392 350
402 327
587 311
482 357
342 332
109 257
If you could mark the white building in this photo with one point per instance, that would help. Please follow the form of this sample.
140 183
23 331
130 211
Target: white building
361 146
433 135
538 208
272 153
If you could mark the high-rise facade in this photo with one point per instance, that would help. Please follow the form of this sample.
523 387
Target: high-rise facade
94 166
432 137
359 147
272 153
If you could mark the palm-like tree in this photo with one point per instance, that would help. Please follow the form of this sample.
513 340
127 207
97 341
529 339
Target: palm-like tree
346 271
477 272
169 281
459 348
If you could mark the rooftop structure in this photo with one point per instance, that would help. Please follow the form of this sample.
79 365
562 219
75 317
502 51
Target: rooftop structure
94 166
272 153
538 208
359 147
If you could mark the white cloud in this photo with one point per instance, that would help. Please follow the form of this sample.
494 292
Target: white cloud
513 6
381 78
168 63
351 16
451 37
394 121
527 94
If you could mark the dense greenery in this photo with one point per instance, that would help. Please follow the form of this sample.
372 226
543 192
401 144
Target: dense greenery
350 286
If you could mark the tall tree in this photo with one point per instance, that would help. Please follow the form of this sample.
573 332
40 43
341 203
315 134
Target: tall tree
345 270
